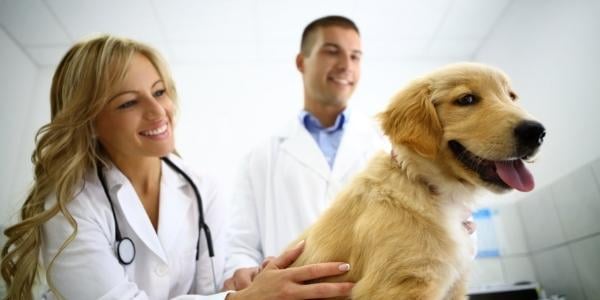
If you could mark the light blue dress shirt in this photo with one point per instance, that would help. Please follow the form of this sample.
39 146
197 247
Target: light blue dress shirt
328 139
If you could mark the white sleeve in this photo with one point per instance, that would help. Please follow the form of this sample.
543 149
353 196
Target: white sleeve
244 245
87 268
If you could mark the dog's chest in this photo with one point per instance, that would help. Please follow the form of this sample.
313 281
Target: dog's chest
464 243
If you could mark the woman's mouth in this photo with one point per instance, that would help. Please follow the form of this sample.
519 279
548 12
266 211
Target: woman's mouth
156 132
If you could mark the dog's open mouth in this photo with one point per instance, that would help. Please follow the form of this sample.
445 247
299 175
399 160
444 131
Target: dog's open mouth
505 174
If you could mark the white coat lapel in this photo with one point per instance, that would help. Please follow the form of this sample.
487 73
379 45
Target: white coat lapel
353 149
302 147
174 207
135 214
131 209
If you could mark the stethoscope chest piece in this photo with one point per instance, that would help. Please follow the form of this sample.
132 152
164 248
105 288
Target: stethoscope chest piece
124 247
125 251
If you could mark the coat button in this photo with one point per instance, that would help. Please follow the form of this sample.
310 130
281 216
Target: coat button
161 270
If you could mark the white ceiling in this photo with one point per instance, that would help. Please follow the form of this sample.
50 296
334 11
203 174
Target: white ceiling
224 53
189 31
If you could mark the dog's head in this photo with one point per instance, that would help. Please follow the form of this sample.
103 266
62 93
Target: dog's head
466 117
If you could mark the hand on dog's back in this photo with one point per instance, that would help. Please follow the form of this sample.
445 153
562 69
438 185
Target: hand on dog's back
279 281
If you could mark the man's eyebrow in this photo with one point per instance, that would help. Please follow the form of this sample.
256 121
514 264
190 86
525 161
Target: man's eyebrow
131 91
331 45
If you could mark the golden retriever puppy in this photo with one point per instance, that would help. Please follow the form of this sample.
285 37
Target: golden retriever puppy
399 222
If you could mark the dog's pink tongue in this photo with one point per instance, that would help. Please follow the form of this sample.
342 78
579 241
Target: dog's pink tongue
515 174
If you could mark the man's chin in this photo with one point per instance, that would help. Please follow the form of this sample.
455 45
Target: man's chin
338 100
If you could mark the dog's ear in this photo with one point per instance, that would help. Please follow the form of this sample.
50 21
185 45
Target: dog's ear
410 119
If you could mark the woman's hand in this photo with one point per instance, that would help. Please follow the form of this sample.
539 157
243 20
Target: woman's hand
277 282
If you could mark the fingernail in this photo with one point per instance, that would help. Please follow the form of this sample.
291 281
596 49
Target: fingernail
344 267
300 243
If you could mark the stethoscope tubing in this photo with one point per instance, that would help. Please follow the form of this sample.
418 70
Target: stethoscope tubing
122 243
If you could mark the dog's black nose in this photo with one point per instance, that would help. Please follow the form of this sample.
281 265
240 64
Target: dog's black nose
530 135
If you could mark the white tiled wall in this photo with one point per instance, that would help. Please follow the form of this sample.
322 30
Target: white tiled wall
557 273
540 219
486 271
552 237
514 264
578 204
586 255
596 169
511 236
566 250
518 269
501 271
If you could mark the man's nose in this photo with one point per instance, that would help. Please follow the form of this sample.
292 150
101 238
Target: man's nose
344 61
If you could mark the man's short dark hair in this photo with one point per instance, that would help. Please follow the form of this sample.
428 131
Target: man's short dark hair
308 35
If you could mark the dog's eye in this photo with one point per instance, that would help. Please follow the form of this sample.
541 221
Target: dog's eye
513 96
466 100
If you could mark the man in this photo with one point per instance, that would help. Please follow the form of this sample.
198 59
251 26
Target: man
287 182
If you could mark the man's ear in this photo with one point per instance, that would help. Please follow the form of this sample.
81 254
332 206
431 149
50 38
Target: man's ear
300 62
411 120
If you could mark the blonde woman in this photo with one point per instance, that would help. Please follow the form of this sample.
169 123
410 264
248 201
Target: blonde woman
113 213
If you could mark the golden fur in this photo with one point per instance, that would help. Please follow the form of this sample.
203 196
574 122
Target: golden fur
398 223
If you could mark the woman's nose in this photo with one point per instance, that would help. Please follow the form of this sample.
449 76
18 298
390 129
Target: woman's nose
153 109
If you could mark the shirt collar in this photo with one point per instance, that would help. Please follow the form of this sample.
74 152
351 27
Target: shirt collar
115 179
311 122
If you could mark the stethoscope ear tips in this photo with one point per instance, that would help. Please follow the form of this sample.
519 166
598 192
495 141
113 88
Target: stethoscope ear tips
125 251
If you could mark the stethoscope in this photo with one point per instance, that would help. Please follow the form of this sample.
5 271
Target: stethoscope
125 248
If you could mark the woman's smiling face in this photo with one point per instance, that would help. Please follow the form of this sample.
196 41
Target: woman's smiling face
138 118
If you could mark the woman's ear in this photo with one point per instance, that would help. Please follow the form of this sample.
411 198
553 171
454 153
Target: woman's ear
411 120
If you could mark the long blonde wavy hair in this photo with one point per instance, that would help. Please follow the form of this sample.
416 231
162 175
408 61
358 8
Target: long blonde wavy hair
66 148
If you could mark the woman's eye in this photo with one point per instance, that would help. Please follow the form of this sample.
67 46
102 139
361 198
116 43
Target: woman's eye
467 100
159 93
126 104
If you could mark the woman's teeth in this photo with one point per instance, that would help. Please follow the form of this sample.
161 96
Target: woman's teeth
157 131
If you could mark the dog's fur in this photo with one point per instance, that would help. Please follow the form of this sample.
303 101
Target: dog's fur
398 223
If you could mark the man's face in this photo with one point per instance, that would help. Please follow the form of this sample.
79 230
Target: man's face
332 70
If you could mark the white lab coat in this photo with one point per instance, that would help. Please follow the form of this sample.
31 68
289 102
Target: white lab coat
164 265
286 183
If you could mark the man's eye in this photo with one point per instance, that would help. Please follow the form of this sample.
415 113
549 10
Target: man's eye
159 93
331 50
126 104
